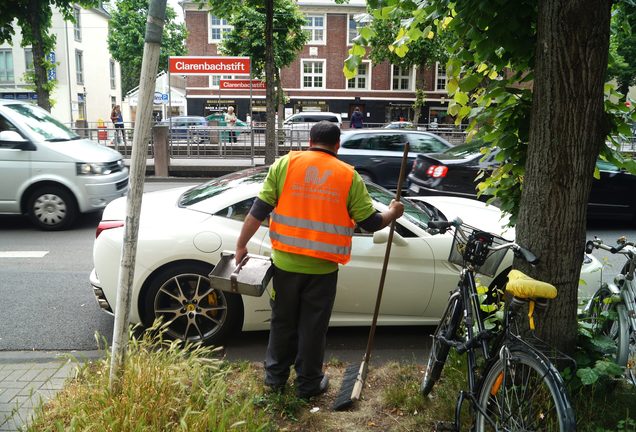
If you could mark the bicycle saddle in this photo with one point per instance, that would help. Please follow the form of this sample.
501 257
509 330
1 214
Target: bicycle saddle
523 286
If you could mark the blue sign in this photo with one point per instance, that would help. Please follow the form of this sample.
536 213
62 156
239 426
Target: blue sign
22 96
164 97
51 56
52 74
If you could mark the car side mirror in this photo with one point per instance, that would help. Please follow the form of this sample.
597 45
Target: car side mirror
382 236
11 136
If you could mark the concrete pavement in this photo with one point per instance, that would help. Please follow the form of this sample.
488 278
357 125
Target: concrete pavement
28 378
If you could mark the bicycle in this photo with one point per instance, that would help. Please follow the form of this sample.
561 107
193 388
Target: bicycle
519 389
613 307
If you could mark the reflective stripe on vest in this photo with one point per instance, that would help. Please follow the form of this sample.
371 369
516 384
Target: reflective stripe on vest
312 225
311 244
311 216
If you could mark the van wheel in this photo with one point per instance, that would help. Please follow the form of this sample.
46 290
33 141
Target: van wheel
52 208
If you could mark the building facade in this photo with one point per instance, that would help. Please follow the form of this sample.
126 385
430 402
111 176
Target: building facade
88 79
315 81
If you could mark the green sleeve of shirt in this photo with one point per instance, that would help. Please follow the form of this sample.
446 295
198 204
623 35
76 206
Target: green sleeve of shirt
359 201
273 185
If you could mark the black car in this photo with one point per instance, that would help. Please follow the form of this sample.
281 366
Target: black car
377 154
453 172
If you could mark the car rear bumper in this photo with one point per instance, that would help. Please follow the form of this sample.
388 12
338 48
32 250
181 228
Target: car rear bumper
99 294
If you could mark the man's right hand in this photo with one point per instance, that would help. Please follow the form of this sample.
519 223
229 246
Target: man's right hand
240 254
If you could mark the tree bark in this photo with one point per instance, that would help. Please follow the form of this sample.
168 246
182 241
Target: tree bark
568 128
41 76
270 82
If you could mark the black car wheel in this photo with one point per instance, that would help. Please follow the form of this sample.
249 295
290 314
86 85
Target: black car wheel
182 297
52 208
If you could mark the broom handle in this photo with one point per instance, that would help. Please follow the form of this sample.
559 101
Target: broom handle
378 300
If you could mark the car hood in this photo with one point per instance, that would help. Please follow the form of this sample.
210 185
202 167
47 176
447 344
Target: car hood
85 150
472 212
152 203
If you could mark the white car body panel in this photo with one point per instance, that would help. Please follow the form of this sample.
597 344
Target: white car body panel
412 296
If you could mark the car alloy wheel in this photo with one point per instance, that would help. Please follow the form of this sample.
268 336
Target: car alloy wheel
190 308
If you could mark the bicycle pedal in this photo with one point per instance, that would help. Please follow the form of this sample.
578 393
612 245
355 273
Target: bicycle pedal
444 426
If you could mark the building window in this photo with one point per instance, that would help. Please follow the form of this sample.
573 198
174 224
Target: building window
356 22
113 81
77 28
215 80
218 29
315 29
361 80
81 106
113 101
440 78
28 60
6 66
313 74
401 78
79 67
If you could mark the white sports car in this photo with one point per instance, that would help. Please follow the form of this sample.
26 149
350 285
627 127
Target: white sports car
182 232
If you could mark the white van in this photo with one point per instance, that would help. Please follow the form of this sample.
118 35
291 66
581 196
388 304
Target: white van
297 125
50 173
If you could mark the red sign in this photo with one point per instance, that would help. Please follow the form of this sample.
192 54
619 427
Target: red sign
241 84
210 65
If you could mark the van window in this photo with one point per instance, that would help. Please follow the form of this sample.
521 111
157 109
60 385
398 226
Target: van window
41 123
425 144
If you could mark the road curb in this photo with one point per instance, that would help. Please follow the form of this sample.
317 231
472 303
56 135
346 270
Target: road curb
7 357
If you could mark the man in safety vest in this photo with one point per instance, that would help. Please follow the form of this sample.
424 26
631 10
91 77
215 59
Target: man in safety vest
314 200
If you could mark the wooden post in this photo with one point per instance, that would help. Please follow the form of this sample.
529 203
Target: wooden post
161 152
154 30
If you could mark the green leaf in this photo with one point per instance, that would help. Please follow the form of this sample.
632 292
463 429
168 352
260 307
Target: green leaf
470 82
461 98
350 68
587 376
357 50
451 86
367 32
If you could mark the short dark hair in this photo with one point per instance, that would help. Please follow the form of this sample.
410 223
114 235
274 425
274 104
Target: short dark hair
325 133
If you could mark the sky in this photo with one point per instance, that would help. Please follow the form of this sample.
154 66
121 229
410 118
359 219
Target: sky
177 9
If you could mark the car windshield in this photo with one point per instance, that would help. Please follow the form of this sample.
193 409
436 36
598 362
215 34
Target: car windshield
464 150
219 185
41 123
412 213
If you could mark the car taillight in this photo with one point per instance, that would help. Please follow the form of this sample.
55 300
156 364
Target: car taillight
106 225
437 171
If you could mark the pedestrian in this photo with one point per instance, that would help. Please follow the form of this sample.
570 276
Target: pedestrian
230 120
118 121
356 119
314 199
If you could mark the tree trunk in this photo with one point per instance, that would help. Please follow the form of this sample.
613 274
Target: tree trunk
568 129
280 106
420 82
270 82
40 72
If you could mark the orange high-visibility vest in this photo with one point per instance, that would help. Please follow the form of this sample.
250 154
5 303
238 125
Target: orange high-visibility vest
311 216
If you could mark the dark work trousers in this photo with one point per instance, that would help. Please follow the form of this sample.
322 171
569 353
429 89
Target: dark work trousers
301 310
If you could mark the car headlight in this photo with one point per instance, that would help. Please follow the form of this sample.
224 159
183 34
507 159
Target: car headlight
86 168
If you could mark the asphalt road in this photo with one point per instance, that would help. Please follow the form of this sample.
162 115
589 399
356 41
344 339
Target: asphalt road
46 303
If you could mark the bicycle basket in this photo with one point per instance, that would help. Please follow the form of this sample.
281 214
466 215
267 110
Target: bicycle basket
472 245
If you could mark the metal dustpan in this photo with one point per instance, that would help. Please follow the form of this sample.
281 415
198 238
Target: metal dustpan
250 277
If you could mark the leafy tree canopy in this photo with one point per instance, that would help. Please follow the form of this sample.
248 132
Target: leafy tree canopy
126 33
247 37
623 46
34 19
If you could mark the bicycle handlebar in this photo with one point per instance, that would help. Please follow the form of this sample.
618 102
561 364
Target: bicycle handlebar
597 243
440 226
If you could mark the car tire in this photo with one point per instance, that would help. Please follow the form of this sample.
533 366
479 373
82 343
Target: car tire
52 208
196 138
180 295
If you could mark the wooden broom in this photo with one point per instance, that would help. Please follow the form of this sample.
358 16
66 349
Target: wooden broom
354 376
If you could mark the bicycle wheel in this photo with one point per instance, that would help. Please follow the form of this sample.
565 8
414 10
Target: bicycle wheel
610 319
630 366
439 351
524 393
